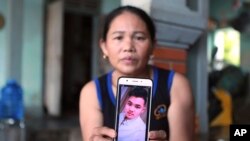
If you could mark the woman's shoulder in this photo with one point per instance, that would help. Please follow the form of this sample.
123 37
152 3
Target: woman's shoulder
92 83
89 95
89 87
161 69
180 78
181 88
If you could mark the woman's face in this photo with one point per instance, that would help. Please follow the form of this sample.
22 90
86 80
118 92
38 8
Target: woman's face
128 44
134 107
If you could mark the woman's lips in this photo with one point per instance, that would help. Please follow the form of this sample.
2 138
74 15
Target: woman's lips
129 60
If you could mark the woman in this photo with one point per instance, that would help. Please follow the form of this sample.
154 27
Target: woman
127 42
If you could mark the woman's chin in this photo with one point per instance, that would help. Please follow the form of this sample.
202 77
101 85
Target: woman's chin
130 71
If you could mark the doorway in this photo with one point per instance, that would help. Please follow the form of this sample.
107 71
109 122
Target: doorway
76 70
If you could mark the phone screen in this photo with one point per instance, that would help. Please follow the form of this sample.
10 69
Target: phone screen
133 109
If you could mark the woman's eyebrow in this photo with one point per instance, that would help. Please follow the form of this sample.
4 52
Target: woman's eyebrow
139 32
122 32
117 32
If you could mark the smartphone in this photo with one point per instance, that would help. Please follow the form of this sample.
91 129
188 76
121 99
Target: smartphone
133 107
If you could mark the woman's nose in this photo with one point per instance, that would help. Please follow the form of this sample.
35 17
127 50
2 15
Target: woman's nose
128 45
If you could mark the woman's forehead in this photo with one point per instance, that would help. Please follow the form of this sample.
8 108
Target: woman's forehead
127 21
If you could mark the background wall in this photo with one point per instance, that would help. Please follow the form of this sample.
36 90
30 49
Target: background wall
32 55
3 42
21 49
245 51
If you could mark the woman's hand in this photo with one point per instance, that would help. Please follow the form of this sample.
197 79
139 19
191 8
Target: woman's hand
160 135
103 134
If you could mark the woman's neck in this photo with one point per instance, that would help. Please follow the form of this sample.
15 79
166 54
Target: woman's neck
146 73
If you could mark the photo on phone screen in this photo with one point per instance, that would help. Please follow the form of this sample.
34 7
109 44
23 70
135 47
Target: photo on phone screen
133 109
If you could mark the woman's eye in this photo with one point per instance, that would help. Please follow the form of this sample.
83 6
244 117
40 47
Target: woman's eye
140 38
118 38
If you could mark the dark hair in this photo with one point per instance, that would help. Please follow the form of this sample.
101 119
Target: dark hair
137 11
139 92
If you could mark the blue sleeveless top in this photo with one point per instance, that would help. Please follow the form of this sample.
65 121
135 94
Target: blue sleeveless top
162 82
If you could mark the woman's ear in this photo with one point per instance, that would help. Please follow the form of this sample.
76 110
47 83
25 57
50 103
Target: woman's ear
103 47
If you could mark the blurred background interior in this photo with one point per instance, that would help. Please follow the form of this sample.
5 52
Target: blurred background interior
50 47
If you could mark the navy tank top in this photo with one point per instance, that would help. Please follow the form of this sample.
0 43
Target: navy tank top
162 82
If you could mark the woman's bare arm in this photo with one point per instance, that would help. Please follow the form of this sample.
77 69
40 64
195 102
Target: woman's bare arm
91 119
181 110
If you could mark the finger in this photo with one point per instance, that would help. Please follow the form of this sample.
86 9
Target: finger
104 131
100 138
156 135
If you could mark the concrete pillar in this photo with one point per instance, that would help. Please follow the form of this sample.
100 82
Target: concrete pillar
53 61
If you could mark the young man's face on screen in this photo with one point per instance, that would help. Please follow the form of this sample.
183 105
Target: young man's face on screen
134 107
